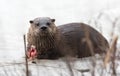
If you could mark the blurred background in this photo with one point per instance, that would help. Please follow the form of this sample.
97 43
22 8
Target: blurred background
15 16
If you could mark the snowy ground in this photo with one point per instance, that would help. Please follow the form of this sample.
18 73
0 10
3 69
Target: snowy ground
80 67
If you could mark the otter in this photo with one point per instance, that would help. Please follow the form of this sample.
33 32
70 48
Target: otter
53 42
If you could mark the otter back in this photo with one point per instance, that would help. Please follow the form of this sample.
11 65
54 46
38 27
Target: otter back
75 40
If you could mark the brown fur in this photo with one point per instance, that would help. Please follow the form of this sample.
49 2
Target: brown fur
66 40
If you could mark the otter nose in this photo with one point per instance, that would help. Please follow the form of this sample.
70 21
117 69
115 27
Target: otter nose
43 28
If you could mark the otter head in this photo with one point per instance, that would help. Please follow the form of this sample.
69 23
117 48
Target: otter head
43 26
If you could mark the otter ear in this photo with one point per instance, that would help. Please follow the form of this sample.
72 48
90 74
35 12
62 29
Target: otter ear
53 20
31 21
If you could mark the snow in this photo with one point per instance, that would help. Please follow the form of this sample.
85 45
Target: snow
56 68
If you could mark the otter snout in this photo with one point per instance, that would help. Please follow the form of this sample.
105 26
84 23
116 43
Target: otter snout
43 28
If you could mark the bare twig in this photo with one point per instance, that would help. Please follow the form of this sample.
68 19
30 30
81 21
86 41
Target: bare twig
67 61
27 72
114 23
90 46
110 51
114 56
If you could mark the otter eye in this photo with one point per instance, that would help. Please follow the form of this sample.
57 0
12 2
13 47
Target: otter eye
37 24
48 23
